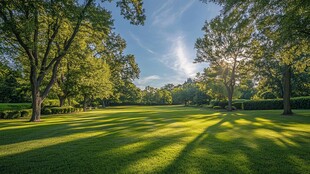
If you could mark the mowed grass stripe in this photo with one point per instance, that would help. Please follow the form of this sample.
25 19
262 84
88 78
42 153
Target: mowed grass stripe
158 139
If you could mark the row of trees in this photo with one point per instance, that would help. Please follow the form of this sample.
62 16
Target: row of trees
67 50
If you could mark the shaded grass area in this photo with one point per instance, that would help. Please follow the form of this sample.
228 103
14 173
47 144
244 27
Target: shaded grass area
161 139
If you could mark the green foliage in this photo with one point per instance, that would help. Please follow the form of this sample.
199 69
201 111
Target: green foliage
14 106
47 111
300 102
296 103
13 87
217 107
25 112
4 114
238 105
232 107
62 110
268 95
13 114
221 104
50 103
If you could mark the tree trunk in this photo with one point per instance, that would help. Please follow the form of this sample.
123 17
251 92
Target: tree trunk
84 103
103 104
287 110
36 106
69 101
229 102
61 100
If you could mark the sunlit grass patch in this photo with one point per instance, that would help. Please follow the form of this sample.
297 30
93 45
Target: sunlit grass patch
161 139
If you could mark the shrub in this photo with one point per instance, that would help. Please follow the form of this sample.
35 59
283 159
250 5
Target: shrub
50 103
238 105
296 103
4 114
47 111
222 104
263 104
13 114
232 107
300 102
14 106
217 107
62 110
25 112
268 95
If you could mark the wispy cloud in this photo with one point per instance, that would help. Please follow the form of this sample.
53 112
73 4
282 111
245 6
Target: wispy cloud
167 14
138 41
179 59
145 81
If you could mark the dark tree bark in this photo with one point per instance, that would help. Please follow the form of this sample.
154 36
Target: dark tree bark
103 104
287 110
85 104
36 106
230 96
62 100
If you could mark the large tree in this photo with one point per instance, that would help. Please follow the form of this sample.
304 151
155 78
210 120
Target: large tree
225 46
44 31
284 28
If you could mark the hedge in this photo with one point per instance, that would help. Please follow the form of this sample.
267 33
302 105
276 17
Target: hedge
60 110
222 104
232 107
11 114
50 102
217 107
14 106
238 105
296 103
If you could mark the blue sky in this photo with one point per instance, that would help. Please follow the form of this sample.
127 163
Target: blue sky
164 46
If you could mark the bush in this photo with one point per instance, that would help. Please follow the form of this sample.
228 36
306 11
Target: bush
14 106
222 104
300 102
296 103
217 107
4 114
13 114
238 105
50 103
47 111
263 104
232 107
61 110
25 112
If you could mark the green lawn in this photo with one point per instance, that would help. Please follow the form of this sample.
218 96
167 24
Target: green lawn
162 139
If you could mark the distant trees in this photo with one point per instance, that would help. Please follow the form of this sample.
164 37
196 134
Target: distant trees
13 87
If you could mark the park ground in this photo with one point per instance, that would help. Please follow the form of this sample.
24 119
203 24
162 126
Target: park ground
158 139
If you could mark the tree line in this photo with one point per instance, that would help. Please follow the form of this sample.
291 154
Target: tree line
68 50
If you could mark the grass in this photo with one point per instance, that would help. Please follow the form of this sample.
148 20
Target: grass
161 139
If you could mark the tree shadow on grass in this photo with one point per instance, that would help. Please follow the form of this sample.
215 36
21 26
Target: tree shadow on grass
138 142
247 152
113 122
